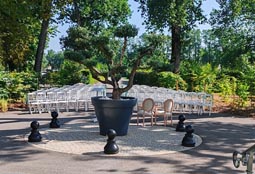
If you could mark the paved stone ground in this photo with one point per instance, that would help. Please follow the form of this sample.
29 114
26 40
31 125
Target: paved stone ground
82 137
221 135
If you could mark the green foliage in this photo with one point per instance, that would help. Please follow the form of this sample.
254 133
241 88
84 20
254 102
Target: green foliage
15 86
146 77
87 77
54 59
161 79
226 85
171 80
97 14
199 77
19 84
69 74
233 28
243 93
175 16
118 57
3 105
244 75
18 34
249 74
192 45
126 31
164 14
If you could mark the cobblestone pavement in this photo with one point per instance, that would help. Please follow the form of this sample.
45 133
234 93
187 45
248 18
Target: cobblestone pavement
221 134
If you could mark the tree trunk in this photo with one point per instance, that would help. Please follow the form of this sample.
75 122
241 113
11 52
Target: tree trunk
77 13
10 65
116 93
41 45
176 48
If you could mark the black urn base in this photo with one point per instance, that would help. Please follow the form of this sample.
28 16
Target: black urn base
113 114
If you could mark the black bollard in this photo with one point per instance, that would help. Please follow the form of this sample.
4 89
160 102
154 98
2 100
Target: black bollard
54 121
188 139
181 126
111 147
35 135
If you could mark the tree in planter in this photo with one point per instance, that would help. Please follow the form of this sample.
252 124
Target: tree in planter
108 48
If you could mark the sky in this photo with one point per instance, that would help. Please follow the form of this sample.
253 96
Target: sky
135 19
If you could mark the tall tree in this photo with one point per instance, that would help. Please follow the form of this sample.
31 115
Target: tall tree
176 16
47 10
18 31
192 45
95 15
211 51
234 25
46 14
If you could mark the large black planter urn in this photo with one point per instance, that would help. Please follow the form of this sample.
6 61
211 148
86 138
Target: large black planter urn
113 114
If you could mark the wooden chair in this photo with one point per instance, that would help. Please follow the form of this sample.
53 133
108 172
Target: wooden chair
165 111
146 110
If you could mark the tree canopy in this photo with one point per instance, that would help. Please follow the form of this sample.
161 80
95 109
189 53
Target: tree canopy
176 17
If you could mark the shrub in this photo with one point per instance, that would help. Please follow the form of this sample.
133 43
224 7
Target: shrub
3 105
15 85
146 78
162 79
199 77
69 74
171 80
242 91
226 85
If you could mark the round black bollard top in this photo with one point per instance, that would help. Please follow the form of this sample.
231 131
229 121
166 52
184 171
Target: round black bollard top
189 129
54 114
111 133
34 125
181 118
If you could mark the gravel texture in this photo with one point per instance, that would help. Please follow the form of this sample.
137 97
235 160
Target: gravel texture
84 138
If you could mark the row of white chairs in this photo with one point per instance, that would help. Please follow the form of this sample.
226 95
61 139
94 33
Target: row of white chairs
78 96
184 102
66 98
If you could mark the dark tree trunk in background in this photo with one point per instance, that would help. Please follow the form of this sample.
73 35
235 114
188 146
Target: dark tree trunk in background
176 48
41 45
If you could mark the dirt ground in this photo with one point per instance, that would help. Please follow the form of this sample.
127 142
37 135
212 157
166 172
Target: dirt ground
230 106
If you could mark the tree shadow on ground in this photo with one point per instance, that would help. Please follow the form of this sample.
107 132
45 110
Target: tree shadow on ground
220 137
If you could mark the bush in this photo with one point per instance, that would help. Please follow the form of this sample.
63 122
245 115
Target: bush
199 77
146 78
226 85
243 92
162 79
69 74
171 80
15 86
3 105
